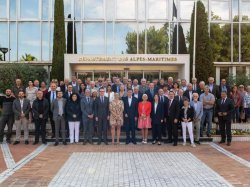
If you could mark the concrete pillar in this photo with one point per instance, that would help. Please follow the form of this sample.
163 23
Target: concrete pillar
247 70
217 75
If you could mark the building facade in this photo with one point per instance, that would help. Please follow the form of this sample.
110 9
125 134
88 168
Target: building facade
124 27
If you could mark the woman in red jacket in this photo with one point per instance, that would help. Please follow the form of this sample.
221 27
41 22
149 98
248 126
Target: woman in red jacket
144 121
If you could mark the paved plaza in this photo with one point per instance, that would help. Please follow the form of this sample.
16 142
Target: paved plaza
125 165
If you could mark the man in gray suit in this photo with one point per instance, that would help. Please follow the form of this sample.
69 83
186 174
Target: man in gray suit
87 108
198 111
102 116
21 109
58 109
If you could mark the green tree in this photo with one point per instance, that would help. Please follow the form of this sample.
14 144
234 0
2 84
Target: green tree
70 29
181 41
28 57
59 46
204 57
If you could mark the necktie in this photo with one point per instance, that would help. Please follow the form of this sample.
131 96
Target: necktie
88 99
170 103
53 96
102 100
162 99
223 101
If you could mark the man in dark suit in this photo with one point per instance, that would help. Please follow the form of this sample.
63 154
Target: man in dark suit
195 85
213 88
130 116
172 119
87 108
64 87
137 94
51 96
224 108
116 86
163 99
102 115
180 98
68 93
224 87
189 92
151 92
201 88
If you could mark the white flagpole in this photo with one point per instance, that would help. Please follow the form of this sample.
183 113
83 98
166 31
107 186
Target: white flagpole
194 46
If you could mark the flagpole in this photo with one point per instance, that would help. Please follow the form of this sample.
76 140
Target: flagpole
194 46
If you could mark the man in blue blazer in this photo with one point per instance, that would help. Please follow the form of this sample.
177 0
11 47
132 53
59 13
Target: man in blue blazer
151 92
198 113
130 116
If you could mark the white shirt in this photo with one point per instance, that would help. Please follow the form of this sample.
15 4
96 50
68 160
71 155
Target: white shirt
155 106
136 95
129 101
195 105
191 95
21 102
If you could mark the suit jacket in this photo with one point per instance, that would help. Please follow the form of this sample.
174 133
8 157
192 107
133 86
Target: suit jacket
35 109
48 98
165 105
63 88
150 97
66 95
227 107
132 110
215 91
198 112
190 113
180 101
17 108
174 109
87 108
139 96
228 91
186 94
101 109
114 87
157 115
73 108
199 91
55 107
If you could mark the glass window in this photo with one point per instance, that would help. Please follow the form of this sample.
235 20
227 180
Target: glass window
109 37
125 9
245 10
205 3
78 10
93 38
141 9
183 34
186 9
13 9
157 38
235 10
45 41
135 75
165 75
221 42
93 9
78 38
4 37
67 8
3 8
123 43
52 9
236 42
51 39
13 41
142 33
150 76
100 74
245 42
110 9
45 9
29 40
157 9
220 10
29 8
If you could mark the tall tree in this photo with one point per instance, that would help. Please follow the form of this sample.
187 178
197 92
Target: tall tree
59 46
204 56
181 41
70 29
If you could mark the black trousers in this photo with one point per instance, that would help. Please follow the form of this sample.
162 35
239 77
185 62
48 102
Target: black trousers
157 131
102 128
172 130
40 129
225 129
130 128
52 122
9 120
164 129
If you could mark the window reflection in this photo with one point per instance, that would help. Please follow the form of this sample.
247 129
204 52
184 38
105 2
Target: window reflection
124 42
3 8
12 9
141 9
29 8
245 7
235 10
45 41
183 32
93 9
245 41
45 9
78 5
220 10
157 9
51 39
142 35
186 9
78 38
67 8
13 42
93 38
236 42
110 7
4 36
29 39
125 9
109 36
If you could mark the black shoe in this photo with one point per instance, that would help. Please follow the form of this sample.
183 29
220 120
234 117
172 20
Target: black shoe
84 143
175 144
209 135
56 144
170 141
154 142
99 143
159 143
64 143
26 142
91 142
134 143
197 142
127 143
45 143
16 142
35 143
106 143
222 141
228 143
8 141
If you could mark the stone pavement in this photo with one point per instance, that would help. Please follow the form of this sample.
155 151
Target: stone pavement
128 165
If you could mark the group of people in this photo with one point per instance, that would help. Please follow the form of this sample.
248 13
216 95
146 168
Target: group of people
160 105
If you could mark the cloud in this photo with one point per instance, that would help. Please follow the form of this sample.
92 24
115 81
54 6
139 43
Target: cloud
93 10
220 9
125 9
158 9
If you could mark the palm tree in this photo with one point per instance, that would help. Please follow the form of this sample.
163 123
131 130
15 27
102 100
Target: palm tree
28 57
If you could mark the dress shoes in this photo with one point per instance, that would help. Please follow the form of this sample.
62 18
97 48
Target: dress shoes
16 142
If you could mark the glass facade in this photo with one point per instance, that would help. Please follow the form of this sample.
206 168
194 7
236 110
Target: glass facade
124 27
